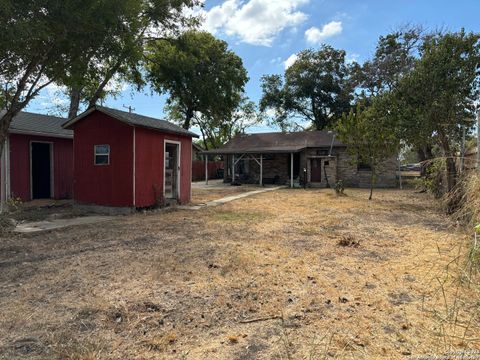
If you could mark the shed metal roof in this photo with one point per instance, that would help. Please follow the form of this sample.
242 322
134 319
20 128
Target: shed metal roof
277 142
135 120
38 124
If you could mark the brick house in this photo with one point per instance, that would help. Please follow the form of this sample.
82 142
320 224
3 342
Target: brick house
312 157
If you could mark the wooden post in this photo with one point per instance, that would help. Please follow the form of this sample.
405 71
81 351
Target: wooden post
261 169
233 168
206 169
291 170
400 173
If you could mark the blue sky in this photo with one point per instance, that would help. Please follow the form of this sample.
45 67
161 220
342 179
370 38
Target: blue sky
265 33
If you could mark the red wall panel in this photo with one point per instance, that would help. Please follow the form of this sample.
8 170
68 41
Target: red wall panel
198 169
149 166
108 185
20 165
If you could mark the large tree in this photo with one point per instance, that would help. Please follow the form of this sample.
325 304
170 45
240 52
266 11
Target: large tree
119 58
201 76
216 131
395 56
315 89
48 41
370 135
437 99
40 41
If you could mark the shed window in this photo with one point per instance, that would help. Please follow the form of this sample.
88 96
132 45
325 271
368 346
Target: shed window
102 154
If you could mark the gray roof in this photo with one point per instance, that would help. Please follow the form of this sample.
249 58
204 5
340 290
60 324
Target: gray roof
277 142
135 120
38 124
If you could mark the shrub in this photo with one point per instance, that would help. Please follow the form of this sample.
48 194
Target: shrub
434 178
339 187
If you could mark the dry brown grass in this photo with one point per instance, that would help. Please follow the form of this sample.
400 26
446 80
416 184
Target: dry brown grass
259 278
201 196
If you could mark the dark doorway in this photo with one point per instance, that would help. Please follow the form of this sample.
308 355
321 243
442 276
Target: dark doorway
316 170
41 170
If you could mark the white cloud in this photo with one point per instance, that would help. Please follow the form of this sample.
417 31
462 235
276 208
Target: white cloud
255 22
290 61
316 36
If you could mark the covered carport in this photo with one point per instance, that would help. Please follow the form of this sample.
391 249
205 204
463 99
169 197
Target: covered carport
233 157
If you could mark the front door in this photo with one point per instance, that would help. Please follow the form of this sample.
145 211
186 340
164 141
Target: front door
171 171
316 170
41 170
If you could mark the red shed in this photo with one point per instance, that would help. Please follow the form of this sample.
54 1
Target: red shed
37 158
124 159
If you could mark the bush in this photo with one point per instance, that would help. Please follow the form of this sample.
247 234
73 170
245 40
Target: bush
6 224
466 196
339 187
434 178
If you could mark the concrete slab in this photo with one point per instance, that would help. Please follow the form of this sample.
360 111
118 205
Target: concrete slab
227 199
37 226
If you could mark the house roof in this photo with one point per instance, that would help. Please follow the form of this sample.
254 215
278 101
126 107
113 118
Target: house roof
38 124
135 120
277 142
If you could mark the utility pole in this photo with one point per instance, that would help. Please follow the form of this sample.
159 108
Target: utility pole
130 109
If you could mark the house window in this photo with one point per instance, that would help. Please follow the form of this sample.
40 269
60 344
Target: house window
363 165
102 154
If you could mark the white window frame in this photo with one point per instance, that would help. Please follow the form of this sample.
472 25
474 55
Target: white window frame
179 162
95 155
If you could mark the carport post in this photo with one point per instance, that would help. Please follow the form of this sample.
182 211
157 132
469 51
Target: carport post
291 170
233 168
206 169
261 169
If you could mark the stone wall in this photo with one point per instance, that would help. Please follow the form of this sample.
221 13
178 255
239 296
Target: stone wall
338 166
351 176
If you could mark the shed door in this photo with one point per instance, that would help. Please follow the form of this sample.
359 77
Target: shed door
41 170
316 170
172 172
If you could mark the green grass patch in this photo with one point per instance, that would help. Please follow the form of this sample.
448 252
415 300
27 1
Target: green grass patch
239 216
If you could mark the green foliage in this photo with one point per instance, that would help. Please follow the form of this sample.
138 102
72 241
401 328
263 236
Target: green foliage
216 131
316 88
200 75
120 53
434 180
436 100
369 133
339 188
395 56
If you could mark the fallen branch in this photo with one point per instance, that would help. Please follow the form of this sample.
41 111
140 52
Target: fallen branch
247 321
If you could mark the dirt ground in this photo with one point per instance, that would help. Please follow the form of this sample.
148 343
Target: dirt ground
288 274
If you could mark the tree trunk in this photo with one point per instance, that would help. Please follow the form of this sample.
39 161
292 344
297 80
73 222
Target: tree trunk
424 154
99 91
188 119
75 95
451 175
5 122
372 183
